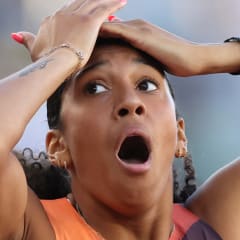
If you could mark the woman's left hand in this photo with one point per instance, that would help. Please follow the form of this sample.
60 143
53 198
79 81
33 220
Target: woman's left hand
175 53
178 55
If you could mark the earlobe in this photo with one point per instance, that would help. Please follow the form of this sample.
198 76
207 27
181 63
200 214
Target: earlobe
181 150
57 149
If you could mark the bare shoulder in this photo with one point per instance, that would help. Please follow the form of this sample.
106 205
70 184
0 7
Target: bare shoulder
217 201
37 224
21 213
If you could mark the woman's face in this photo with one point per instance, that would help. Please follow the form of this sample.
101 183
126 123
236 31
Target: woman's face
120 128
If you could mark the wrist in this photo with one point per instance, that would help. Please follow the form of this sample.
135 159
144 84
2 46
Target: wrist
235 40
219 58
67 55
194 58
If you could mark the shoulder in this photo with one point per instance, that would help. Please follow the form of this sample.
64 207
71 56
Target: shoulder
190 226
66 221
37 224
217 201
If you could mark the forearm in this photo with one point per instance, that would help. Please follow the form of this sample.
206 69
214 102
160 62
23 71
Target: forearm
218 58
22 93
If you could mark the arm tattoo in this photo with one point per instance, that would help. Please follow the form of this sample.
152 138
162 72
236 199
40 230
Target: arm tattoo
34 67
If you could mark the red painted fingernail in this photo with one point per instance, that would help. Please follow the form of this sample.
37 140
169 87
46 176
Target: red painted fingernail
111 18
114 19
17 37
123 1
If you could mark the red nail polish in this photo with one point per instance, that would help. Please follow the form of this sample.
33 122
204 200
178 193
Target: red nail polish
111 18
123 1
17 37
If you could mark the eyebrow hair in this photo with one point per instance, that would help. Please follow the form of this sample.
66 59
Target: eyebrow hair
141 60
105 62
156 65
89 68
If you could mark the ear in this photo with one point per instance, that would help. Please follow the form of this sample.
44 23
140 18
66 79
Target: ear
57 149
181 150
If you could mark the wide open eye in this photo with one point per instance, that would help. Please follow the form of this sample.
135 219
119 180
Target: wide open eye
147 85
95 88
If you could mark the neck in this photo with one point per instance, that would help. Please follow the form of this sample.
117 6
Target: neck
149 222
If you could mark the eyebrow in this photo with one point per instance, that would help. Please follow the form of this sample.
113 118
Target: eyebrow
90 67
156 65
106 62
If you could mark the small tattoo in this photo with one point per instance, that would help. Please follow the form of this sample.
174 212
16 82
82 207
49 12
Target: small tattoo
36 66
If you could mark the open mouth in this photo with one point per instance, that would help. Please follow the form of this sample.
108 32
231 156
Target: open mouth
134 150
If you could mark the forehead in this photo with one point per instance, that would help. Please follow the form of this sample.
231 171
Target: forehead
113 50
107 54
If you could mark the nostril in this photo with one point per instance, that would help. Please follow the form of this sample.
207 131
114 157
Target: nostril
139 111
123 112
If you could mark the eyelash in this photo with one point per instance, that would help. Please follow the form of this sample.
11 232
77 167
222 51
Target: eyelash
95 84
149 80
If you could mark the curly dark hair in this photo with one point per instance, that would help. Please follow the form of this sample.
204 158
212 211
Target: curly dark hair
46 180
181 194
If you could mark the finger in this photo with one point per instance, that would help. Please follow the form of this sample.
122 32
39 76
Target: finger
118 29
28 39
73 5
102 9
113 18
17 37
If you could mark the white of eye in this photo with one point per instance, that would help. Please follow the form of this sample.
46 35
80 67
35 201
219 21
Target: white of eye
151 86
147 86
100 88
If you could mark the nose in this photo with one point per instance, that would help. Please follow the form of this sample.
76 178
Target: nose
129 106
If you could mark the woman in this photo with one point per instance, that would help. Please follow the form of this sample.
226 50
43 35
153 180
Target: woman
108 109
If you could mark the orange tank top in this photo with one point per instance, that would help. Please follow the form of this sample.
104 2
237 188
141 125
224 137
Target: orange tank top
69 225
66 222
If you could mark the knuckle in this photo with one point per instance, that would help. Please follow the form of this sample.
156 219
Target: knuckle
139 22
45 20
101 7
85 18
144 26
58 14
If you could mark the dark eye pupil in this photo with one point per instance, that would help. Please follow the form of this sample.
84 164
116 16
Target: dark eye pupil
91 88
143 86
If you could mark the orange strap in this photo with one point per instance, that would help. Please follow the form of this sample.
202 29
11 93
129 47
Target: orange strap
67 223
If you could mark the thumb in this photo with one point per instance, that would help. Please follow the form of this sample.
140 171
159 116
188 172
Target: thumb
25 38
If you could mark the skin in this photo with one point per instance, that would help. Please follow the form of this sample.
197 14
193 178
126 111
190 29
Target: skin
142 201
41 79
179 56
217 201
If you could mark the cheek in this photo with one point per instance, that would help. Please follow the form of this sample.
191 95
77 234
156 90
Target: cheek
84 131
166 127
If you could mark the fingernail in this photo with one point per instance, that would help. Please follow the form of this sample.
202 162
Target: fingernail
123 1
17 37
112 18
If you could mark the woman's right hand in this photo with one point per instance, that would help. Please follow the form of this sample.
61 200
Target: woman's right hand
76 23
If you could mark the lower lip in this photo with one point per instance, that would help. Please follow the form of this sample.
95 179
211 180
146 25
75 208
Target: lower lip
136 168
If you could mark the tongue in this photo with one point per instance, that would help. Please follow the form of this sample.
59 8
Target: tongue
131 160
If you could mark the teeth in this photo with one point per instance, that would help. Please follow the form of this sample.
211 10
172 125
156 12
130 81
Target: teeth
134 150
